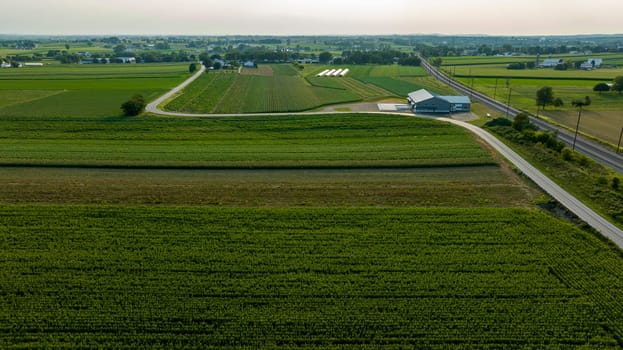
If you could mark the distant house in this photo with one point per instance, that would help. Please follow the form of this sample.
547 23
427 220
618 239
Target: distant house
551 62
5 65
126 59
249 64
423 101
592 64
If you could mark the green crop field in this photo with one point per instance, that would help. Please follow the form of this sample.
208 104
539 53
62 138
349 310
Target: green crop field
82 90
295 141
602 119
279 89
127 277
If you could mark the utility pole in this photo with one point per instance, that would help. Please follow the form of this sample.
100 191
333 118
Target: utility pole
577 128
508 103
619 145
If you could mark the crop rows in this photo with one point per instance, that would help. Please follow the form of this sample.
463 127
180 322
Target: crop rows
278 93
70 91
318 141
204 95
366 91
438 278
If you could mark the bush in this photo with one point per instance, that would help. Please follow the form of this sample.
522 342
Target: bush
616 183
567 154
521 122
134 106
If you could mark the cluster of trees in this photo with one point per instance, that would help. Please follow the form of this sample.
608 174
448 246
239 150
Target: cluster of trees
379 57
545 97
617 85
521 65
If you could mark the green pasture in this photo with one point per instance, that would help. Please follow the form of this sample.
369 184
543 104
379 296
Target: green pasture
131 277
82 90
483 71
609 59
267 142
603 119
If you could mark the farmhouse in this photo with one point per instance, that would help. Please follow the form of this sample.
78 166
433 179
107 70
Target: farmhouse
551 62
5 65
249 64
423 101
592 64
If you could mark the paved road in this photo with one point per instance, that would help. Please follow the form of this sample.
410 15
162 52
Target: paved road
592 149
563 197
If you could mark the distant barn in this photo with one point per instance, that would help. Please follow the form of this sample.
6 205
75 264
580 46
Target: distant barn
423 101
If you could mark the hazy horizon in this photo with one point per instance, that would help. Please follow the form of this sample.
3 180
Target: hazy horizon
322 17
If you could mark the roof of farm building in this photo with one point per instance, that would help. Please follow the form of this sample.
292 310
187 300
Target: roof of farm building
425 95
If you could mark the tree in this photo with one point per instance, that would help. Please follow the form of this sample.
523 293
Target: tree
192 67
67 46
618 84
601 87
521 122
544 97
580 104
437 61
558 102
325 57
134 106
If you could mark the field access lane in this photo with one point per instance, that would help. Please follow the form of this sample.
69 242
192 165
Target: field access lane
563 197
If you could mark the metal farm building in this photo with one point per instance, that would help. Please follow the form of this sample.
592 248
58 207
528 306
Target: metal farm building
423 101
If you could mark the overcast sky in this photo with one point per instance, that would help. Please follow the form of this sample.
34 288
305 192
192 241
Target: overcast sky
281 17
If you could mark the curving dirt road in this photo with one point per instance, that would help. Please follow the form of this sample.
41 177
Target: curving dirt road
600 224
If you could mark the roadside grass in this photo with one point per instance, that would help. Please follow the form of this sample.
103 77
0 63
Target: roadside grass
138 276
588 181
81 90
343 141
464 187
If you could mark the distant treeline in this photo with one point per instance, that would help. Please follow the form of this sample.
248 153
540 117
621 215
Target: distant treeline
379 57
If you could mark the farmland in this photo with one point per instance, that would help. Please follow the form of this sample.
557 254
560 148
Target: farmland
282 88
422 187
342 141
435 278
82 90
602 119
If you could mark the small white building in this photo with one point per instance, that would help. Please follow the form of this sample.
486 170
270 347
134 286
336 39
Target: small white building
5 65
249 64
33 64
126 59
551 62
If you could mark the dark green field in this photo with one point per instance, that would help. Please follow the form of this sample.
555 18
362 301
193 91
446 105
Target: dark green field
127 277
332 141
82 90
